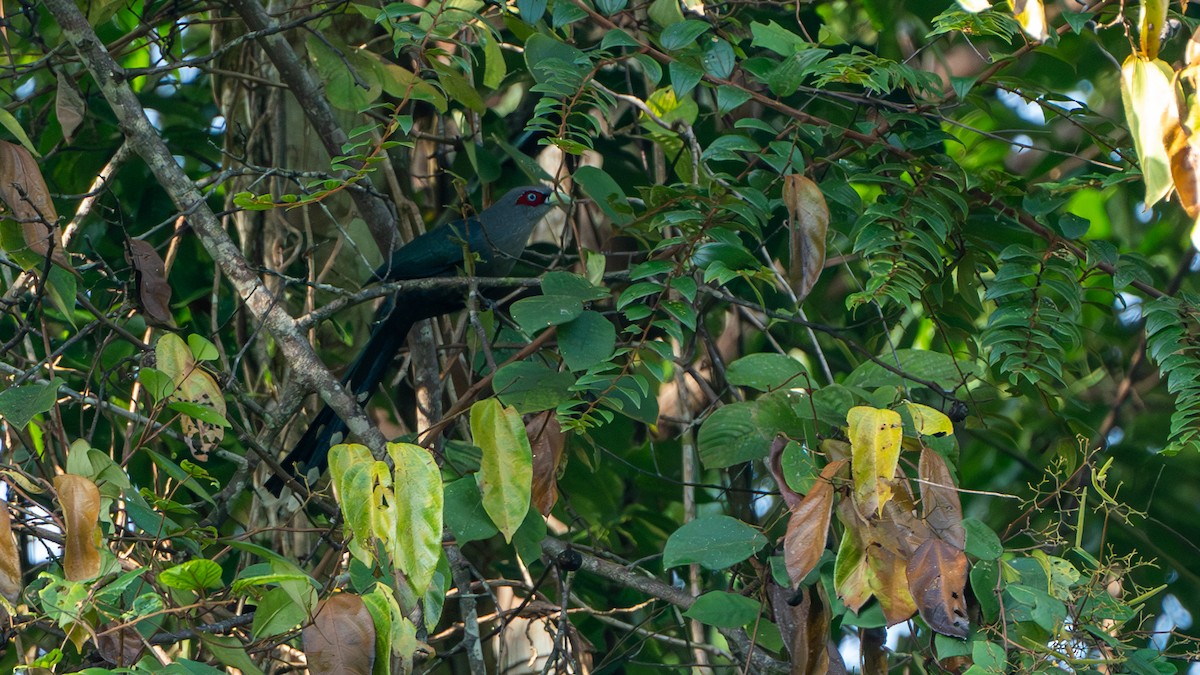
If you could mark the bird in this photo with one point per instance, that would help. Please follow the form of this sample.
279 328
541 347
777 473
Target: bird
495 237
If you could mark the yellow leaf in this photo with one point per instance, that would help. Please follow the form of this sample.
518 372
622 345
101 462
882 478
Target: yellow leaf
1151 20
1148 95
929 422
1031 14
974 6
875 436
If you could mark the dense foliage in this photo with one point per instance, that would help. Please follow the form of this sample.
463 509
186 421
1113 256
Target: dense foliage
863 314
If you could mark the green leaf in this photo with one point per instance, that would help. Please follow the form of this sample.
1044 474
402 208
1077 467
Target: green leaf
982 542
610 7
542 311
417 496
61 288
684 77
19 405
14 127
574 285
202 348
193 575
719 58
494 68
742 432
682 34
277 613
766 372
458 88
464 512
531 11
586 341
716 542
531 387
776 38
730 97
665 12
605 192
724 610
549 59
506 469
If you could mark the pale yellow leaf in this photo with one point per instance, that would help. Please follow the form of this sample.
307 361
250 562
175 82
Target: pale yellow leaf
1149 99
1031 14
875 436
929 421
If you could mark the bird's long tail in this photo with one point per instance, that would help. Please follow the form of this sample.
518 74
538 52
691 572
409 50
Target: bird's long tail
392 323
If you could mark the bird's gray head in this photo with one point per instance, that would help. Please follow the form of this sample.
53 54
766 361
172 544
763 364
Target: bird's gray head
508 222
522 206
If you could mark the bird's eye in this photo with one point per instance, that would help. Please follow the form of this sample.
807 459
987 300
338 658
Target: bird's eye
531 197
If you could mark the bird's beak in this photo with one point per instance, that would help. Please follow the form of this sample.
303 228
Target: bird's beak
559 198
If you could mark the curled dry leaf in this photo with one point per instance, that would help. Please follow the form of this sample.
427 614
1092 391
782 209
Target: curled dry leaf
808 526
25 193
937 578
80 500
939 500
803 618
808 216
69 105
546 439
341 639
150 273
775 465
10 559
122 647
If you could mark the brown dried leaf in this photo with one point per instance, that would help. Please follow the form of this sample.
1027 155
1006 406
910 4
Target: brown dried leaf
939 500
24 191
10 559
871 644
122 647
808 215
150 273
898 529
546 439
80 500
808 527
341 638
69 106
937 578
775 465
803 619
1184 154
